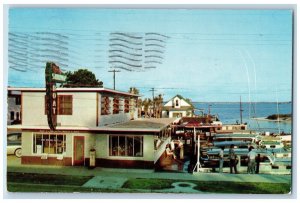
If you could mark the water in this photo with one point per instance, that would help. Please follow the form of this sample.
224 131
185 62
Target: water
229 113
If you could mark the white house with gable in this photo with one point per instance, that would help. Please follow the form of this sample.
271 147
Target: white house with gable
178 107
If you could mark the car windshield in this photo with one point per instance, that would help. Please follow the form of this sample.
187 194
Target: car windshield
14 138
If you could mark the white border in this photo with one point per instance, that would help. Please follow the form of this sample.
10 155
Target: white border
182 4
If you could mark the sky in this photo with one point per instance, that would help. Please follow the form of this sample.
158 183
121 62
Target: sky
205 55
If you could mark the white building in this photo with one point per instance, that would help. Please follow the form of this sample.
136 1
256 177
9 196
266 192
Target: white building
89 118
178 107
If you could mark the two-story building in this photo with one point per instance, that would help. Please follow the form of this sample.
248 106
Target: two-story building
99 119
178 107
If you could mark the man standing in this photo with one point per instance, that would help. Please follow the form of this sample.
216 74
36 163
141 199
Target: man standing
232 158
221 160
251 158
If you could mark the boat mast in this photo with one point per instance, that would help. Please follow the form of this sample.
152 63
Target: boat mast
241 110
278 121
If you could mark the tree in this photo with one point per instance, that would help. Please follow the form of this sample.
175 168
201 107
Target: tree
158 103
147 103
82 78
133 90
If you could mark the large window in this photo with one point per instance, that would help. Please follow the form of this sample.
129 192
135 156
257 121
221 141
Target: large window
49 143
126 145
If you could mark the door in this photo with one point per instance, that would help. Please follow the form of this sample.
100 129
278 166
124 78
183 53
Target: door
78 150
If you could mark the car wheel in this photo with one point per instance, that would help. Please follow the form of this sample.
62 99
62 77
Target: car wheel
18 152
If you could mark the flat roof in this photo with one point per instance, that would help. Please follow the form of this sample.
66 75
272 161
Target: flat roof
145 123
77 89
153 125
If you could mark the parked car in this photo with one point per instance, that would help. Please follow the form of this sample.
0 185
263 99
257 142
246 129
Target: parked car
14 146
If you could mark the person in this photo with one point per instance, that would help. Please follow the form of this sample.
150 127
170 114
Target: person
251 161
221 160
172 144
232 159
257 163
169 152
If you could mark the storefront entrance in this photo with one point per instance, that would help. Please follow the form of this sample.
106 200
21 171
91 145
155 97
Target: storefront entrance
78 150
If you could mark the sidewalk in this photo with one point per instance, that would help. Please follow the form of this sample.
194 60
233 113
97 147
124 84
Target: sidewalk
14 166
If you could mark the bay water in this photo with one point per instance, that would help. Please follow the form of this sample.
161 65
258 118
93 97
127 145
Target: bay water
229 113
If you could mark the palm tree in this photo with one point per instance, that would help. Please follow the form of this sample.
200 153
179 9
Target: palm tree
146 104
139 106
158 103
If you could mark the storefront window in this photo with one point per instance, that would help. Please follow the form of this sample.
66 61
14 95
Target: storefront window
121 145
49 143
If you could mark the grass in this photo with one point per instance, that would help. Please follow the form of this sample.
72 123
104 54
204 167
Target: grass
29 182
20 187
34 178
212 186
152 184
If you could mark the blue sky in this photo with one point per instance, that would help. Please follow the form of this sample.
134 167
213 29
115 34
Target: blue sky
209 55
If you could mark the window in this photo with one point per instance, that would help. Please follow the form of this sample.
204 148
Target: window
49 143
65 104
126 145
176 103
18 100
12 115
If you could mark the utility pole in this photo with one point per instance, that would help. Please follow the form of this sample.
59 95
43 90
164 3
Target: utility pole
152 90
114 71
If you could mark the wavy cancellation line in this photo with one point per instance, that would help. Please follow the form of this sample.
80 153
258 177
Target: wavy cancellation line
153 62
132 65
122 51
154 56
126 35
123 57
157 45
122 45
126 41
157 40
157 34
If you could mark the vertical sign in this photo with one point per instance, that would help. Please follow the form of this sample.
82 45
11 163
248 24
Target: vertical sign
52 75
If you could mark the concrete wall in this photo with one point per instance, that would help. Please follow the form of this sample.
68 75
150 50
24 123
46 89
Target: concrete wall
84 110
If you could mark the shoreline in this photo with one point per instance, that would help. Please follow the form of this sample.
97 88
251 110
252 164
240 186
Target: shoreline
265 119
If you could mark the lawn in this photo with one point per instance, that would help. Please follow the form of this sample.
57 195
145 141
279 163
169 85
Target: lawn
29 182
51 179
213 186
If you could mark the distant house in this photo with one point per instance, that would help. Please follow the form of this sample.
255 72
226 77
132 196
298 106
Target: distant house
178 107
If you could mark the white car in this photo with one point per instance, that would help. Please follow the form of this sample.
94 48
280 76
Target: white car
14 146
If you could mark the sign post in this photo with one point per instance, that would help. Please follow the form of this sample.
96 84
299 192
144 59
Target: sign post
53 75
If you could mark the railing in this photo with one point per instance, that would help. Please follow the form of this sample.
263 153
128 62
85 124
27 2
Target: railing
161 149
